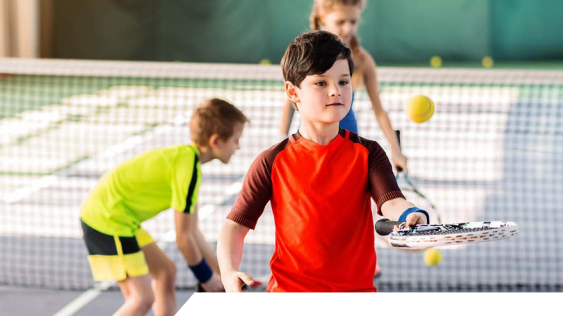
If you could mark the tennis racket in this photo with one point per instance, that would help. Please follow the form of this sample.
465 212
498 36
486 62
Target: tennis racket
435 235
412 193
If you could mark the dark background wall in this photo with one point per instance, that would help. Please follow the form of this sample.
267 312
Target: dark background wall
246 31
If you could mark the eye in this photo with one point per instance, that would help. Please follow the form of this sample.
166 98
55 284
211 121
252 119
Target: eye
353 22
320 83
340 22
344 82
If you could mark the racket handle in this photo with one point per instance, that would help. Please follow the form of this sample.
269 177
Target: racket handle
385 227
398 134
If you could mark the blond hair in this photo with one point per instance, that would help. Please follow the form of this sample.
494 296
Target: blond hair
322 7
214 116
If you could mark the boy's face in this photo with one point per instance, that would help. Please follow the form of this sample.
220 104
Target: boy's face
224 149
324 98
342 21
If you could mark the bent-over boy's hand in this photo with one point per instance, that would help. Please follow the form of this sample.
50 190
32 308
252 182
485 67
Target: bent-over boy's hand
235 280
213 285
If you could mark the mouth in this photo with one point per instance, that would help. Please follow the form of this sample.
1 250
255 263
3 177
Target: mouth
335 104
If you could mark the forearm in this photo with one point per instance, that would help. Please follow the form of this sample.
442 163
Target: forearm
187 244
230 246
385 125
207 251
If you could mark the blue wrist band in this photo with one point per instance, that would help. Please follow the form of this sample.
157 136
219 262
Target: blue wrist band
202 271
409 210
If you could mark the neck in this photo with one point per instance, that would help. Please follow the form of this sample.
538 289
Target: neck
205 154
321 134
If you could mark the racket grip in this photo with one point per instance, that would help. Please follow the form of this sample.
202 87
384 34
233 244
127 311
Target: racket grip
385 227
398 134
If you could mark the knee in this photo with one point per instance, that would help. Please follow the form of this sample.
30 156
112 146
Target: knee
141 303
167 275
144 302
171 273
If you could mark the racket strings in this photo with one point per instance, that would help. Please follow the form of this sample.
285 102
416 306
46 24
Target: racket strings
446 231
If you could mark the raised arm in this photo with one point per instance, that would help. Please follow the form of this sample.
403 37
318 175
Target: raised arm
229 254
372 87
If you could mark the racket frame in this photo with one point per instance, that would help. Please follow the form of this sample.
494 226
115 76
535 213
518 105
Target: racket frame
438 235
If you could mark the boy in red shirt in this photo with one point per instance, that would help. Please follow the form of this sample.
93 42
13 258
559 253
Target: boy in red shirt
319 182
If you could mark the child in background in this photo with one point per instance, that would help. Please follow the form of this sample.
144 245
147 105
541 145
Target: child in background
319 182
342 17
141 188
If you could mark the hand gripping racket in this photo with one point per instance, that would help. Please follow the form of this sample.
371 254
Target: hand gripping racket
426 236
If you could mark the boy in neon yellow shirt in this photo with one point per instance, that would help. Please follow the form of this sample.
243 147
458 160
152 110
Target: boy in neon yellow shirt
141 188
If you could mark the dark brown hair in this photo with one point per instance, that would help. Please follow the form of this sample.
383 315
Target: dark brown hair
214 116
313 53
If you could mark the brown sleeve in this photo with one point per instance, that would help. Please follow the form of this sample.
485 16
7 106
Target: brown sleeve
382 183
256 189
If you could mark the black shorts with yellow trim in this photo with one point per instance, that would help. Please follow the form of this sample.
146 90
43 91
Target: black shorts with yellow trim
116 257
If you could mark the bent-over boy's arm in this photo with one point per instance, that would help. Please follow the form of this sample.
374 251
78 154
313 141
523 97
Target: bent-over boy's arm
187 231
207 251
229 254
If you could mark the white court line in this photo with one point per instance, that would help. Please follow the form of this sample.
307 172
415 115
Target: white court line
169 237
24 192
85 298
90 295
50 180
18 195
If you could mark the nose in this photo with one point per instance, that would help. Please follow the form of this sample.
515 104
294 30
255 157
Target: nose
335 91
347 29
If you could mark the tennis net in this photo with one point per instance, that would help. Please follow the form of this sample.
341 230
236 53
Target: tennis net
492 151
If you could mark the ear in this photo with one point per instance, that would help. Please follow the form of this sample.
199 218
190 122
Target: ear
292 92
214 141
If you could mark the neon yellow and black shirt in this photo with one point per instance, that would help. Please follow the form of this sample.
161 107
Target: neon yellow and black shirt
142 187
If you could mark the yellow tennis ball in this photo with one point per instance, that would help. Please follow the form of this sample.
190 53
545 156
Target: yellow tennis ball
487 62
435 61
432 257
420 108
265 62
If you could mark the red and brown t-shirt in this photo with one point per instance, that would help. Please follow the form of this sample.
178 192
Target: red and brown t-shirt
320 198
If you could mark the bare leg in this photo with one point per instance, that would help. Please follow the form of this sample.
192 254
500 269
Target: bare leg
138 296
163 273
